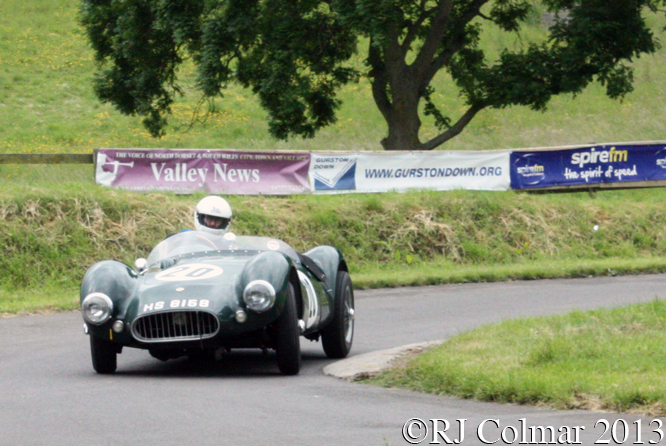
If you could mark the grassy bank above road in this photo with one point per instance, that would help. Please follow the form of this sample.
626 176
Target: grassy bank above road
610 360
51 236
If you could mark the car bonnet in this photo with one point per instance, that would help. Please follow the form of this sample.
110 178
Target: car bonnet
200 283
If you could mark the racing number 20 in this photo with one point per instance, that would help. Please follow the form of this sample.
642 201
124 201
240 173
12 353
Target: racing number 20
185 271
193 271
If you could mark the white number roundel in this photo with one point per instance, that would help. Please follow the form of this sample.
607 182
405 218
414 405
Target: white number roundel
192 271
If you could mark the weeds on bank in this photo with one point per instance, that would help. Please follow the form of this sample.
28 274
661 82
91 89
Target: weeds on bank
54 235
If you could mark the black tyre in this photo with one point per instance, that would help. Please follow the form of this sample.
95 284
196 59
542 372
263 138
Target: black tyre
288 345
337 337
104 355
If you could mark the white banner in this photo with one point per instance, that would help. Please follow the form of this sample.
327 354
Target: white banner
336 173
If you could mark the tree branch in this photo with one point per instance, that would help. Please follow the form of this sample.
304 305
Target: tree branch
423 64
414 28
438 28
455 129
485 17
379 81
456 45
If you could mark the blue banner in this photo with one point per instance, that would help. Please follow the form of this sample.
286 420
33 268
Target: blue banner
610 163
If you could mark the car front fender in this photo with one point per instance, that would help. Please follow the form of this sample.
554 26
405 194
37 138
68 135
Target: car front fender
271 266
115 279
331 261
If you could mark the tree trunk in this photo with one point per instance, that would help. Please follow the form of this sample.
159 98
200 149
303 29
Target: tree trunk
403 132
403 119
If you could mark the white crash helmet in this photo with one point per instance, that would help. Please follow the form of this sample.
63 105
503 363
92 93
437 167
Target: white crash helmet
218 212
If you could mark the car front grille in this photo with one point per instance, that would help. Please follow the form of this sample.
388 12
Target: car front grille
175 326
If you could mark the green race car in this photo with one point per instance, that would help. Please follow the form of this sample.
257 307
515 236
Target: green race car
198 293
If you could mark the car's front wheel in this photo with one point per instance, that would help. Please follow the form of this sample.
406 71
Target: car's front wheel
104 355
288 345
338 335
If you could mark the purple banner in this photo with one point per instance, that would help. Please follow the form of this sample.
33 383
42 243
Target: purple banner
215 171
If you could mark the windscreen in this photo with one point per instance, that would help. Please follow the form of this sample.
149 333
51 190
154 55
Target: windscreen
191 242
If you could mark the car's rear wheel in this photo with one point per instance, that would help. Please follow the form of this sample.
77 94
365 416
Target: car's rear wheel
104 355
337 337
288 345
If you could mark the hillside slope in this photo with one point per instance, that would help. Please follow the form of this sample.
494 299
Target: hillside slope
46 68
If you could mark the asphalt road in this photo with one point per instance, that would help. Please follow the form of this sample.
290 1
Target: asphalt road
49 394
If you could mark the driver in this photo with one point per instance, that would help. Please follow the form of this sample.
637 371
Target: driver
212 215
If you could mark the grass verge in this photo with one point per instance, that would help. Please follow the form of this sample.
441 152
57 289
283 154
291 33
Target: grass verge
611 360
443 272
38 300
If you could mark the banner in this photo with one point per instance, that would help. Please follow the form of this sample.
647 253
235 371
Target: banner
283 173
213 171
386 171
611 163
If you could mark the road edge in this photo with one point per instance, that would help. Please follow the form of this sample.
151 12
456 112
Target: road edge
368 365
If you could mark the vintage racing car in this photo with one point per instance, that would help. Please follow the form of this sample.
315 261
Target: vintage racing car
199 293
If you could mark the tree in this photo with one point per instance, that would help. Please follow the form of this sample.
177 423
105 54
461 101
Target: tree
294 55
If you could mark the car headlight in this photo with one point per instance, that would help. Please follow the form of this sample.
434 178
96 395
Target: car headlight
259 296
96 308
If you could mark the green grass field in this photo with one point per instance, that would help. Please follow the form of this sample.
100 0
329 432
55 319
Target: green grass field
54 222
47 103
610 360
